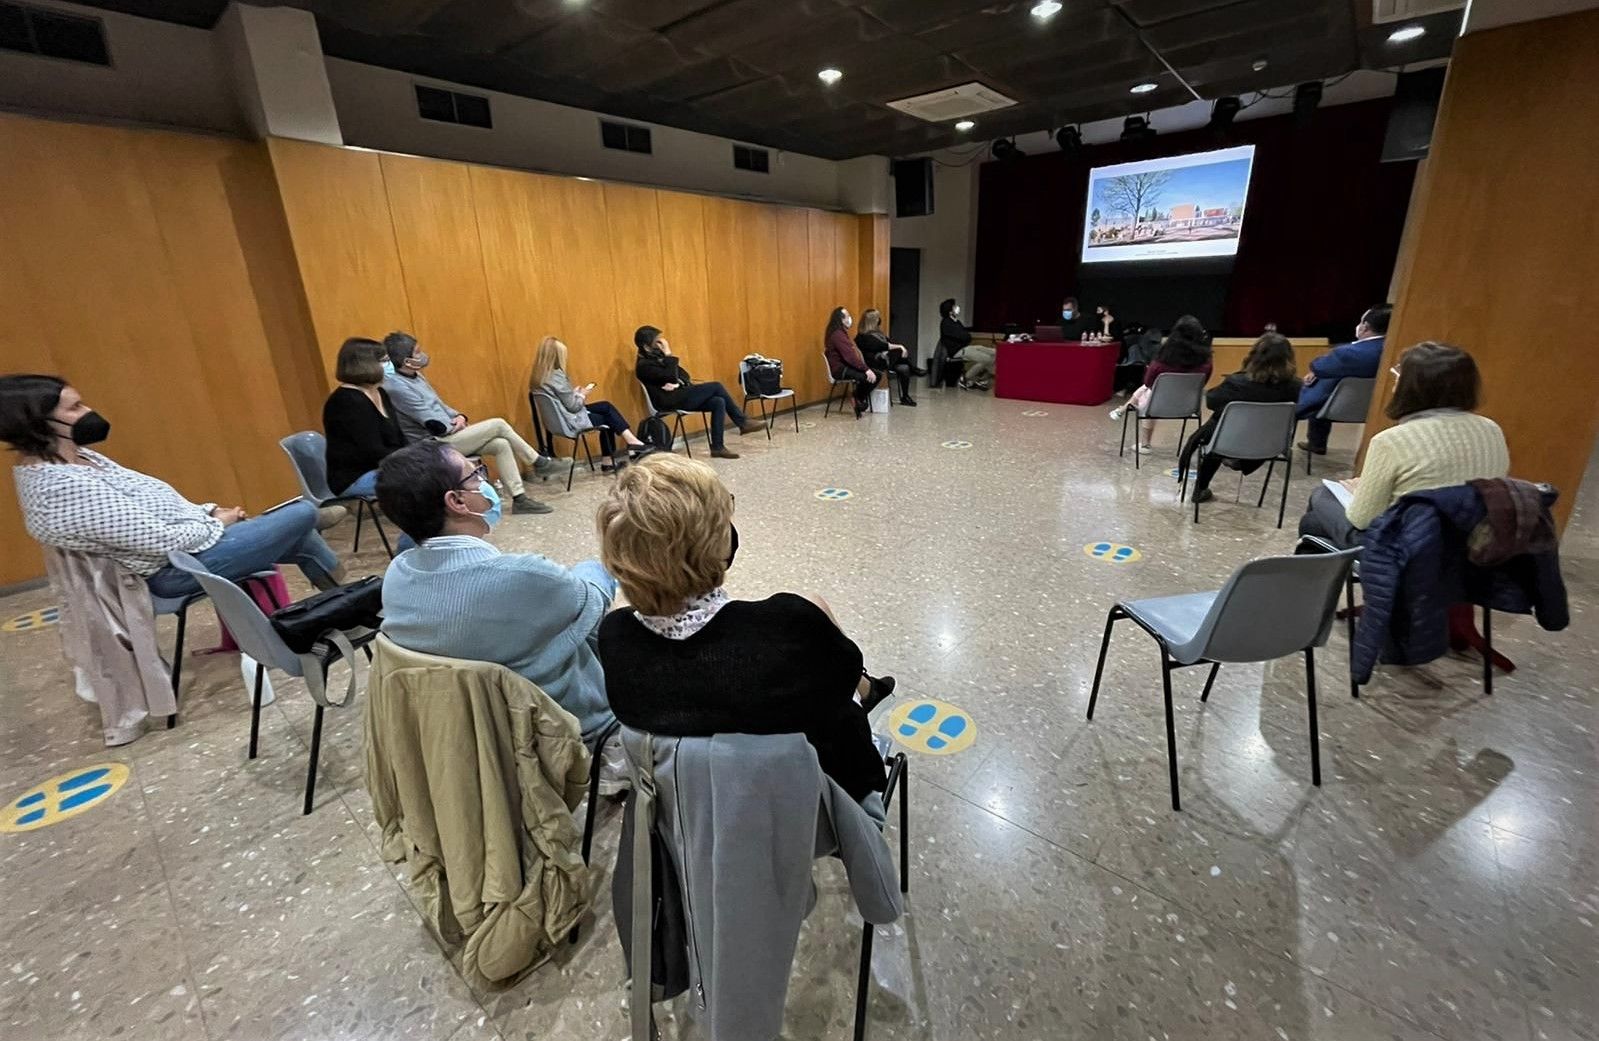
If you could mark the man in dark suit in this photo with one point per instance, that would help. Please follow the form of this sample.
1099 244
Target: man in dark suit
1359 359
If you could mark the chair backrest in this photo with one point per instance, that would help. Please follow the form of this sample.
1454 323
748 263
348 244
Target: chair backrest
1253 430
540 435
1350 400
308 451
649 400
550 415
251 629
1175 395
827 369
1271 607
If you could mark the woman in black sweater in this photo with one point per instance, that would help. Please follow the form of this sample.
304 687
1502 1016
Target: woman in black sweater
953 339
670 386
359 421
686 660
1268 375
885 356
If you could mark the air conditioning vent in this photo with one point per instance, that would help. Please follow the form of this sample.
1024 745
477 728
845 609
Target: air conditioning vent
625 137
1384 11
448 106
941 106
755 160
52 34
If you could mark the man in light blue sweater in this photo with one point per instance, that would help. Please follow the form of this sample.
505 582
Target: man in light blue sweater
457 596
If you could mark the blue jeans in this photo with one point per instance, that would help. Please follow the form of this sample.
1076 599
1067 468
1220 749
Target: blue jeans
605 413
366 486
284 536
712 398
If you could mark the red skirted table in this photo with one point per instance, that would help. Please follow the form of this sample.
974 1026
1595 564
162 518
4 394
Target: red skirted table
1068 373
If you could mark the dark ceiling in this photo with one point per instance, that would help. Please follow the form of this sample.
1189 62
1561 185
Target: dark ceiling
746 69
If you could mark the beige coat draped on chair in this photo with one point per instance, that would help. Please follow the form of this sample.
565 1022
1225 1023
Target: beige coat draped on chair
474 773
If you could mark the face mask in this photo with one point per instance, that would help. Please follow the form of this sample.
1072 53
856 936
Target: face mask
1066 313
954 312
388 367
491 516
88 429
732 548
848 321
418 361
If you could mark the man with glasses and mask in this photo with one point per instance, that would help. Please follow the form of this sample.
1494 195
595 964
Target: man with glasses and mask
423 415
457 596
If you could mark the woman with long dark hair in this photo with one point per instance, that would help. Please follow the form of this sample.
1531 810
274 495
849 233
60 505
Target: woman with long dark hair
77 500
670 386
846 361
1268 375
1185 349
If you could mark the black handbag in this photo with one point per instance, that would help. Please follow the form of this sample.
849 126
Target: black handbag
355 605
762 375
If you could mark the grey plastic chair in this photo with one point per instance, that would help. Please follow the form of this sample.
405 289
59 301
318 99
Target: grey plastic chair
545 411
179 605
784 392
1269 608
1253 431
308 451
677 415
1350 402
254 634
1175 395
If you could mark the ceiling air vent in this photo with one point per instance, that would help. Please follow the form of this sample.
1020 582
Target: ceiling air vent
1383 11
941 106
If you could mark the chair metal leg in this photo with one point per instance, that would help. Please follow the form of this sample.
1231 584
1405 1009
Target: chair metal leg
255 709
1122 451
1282 506
360 516
1349 620
1271 467
1171 726
570 470
863 981
1487 650
1182 433
1199 465
1215 667
596 760
382 535
588 452
793 403
904 827
177 659
1315 731
1111 619
677 432
316 753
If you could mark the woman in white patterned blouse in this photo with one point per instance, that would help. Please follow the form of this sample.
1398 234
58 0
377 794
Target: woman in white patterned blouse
78 500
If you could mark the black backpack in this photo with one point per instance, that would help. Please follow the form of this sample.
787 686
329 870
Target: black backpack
762 375
655 433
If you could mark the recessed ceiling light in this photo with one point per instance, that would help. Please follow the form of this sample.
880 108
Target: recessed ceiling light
965 125
1046 9
1143 88
1259 64
1408 33
829 76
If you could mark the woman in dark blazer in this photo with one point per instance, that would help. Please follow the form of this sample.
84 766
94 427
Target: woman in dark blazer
670 386
953 338
1268 375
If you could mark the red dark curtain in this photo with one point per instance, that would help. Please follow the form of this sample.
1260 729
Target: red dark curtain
1321 226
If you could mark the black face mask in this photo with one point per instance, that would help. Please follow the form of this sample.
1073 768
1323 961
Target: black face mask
89 429
732 549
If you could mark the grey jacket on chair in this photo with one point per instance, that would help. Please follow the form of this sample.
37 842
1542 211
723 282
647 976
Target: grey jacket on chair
730 914
570 417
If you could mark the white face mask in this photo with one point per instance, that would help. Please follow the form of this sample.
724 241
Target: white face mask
955 312
848 321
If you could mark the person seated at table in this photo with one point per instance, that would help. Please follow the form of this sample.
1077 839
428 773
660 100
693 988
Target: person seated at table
577 412
955 340
1268 375
457 596
845 361
885 356
1439 442
685 659
1073 323
670 387
77 500
1185 349
423 414
1358 359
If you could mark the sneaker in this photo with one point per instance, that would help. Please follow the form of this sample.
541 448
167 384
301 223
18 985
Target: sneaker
882 688
723 453
525 503
1306 446
1144 449
962 384
1116 413
546 466
751 426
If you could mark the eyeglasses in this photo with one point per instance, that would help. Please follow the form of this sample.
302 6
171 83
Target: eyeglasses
480 471
1394 369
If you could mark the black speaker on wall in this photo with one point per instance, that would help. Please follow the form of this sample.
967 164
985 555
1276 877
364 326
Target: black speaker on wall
1415 110
913 187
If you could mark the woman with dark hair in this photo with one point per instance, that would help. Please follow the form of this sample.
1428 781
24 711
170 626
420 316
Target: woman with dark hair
845 361
1268 375
77 500
883 355
1185 349
670 386
359 420
1439 441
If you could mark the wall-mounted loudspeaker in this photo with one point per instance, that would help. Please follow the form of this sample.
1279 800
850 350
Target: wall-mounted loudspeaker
1410 120
913 187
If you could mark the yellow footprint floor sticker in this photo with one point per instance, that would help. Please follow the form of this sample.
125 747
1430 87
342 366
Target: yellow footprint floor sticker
932 727
63 797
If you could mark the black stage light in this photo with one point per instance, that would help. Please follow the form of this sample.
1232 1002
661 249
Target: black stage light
1005 148
1306 98
1070 139
1137 128
1224 111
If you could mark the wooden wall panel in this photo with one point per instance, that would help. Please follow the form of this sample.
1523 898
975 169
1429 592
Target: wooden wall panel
872 258
684 267
1502 260
436 234
762 288
338 216
849 284
641 260
799 332
728 276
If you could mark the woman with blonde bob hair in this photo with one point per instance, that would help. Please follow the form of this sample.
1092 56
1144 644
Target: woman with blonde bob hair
573 412
687 660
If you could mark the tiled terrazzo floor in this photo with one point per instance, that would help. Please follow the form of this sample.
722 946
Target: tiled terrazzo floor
1442 884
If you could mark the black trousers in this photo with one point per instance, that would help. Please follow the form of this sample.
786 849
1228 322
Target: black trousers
863 386
884 361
